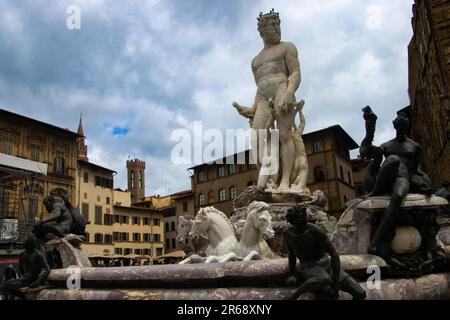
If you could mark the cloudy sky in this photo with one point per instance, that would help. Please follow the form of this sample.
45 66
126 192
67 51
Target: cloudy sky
138 70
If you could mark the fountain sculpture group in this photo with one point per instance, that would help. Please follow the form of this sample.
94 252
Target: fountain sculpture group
395 228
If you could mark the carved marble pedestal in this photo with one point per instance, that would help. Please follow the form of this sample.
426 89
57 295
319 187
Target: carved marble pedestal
279 204
406 246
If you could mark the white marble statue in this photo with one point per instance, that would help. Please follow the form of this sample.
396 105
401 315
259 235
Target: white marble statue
223 244
276 70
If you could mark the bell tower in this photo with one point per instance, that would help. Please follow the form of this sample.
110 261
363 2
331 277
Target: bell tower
81 145
136 179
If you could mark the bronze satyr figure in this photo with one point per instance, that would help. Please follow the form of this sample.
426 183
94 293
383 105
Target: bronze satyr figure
34 268
398 174
319 261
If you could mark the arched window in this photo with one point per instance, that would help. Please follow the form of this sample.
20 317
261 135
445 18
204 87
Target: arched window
140 179
173 227
319 174
132 179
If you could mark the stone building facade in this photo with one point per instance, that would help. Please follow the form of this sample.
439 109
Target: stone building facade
172 207
116 229
218 184
429 73
29 140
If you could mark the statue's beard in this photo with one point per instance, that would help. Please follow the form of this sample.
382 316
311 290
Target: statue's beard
271 35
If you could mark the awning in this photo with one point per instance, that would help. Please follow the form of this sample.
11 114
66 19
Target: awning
13 167
175 254
104 256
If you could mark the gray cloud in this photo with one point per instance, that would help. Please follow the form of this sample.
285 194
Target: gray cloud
154 66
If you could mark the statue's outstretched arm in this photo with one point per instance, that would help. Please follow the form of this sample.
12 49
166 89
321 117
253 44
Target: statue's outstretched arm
245 111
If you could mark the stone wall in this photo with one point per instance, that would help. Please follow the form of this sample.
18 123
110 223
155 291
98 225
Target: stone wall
429 70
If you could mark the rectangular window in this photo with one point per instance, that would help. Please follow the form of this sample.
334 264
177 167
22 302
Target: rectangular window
108 219
124 236
85 211
104 182
35 152
174 245
118 251
201 176
136 237
98 214
221 171
108 239
116 236
232 193
98 238
146 222
157 237
159 251
146 252
316 146
8 144
33 204
138 251
124 219
231 169
201 199
167 244
185 206
86 177
116 218
127 251
156 222
222 195
145 237
137 220
85 195
60 165
108 200
98 198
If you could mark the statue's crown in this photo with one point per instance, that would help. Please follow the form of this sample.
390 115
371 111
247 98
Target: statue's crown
270 14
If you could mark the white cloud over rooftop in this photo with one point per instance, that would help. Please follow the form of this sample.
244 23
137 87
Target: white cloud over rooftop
154 66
